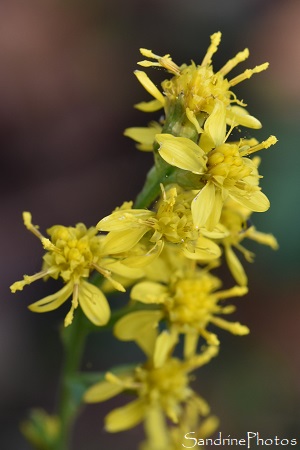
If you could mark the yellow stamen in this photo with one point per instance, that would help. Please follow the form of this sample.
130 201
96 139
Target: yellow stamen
239 57
215 41
28 224
264 144
248 74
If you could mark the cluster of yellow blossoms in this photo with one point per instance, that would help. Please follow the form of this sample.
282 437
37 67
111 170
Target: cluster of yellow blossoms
193 211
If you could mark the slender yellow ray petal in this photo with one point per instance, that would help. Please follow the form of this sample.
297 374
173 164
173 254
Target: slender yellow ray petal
163 347
205 250
190 344
182 152
145 136
151 106
102 391
215 125
256 201
93 303
235 266
236 291
148 258
126 417
53 301
203 204
121 241
123 270
192 118
237 115
123 219
215 215
149 86
149 292
233 327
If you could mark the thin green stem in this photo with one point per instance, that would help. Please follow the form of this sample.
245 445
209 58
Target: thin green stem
73 340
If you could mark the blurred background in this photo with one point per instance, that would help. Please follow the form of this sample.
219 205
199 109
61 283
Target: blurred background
67 91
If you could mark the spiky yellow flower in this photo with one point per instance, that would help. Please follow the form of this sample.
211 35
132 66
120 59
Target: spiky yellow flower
189 303
198 87
171 223
73 253
236 219
161 386
223 167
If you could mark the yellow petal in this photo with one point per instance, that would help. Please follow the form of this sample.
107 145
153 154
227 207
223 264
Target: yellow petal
123 219
215 125
126 417
102 391
93 303
237 115
203 205
139 326
144 135
233 327
53 301
235 266
163 348
149 86
149 292
256 201
152 106
205 250
121 241
182 152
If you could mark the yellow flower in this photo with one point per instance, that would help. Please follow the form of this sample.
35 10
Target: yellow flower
198 87
224 170
194 417
162 387
72 254
189 302
171 223
236 219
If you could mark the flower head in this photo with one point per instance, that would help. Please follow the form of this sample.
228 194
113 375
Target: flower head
162 387
170 223
222 166
199 87
73 253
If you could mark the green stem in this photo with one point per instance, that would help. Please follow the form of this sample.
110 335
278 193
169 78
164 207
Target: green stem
74 340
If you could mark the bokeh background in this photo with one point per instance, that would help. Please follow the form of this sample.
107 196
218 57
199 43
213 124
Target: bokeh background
66 95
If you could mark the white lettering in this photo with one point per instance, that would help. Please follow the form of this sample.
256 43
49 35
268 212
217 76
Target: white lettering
192 438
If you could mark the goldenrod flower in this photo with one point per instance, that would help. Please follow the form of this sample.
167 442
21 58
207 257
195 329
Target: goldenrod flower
172 222
189 303
162 436
223 168
198 87
236 219
162 386
72 254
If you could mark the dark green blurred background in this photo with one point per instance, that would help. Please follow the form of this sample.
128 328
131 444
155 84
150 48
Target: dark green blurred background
66 95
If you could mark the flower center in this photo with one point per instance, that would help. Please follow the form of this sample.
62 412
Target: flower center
226 162
75 249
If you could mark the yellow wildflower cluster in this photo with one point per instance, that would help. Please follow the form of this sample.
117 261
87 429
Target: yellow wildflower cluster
73 253
194 210
209 188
